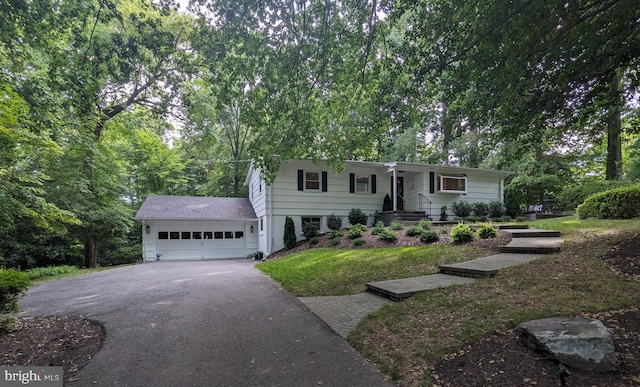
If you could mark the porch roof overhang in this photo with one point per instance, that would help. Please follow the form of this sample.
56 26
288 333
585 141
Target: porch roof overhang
445 169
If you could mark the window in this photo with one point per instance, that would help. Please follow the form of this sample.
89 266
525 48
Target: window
312 180
163 235
174 235
207 235
453 184
218 235
197 235
262 224
362 183
186 235
309 219
239 234
228 235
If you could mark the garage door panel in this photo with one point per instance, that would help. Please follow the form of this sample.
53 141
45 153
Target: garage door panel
204 241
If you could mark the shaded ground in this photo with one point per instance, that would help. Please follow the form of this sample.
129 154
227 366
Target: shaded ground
499 360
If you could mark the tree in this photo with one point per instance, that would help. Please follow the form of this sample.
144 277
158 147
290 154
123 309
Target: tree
529 65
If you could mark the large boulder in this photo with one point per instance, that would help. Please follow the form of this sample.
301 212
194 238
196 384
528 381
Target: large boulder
582 343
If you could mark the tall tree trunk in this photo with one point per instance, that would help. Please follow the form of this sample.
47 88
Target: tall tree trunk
447 133
614 128
90 259
474 159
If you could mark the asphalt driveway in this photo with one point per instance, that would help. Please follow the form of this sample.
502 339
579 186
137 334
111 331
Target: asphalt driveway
206 323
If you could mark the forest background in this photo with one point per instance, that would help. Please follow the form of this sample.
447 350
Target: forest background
103 102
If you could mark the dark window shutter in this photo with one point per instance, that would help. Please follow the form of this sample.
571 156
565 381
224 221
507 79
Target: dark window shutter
352 183
324 181
373 184
300 180
432 182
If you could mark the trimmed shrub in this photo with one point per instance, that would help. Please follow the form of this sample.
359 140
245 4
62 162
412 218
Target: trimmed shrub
425 224
571 197
462 208
314 240
355 231
377 228
13 285
497 209
310 230
334 234
356 216
480 209
443 213
334 222
358 241
395 225
123 256
335 241
388 235
462 233
487 231
414 231
289 233
619 203
429 236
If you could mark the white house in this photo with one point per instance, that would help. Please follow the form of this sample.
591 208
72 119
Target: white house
307 192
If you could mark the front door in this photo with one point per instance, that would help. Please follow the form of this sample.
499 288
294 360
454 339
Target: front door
398 190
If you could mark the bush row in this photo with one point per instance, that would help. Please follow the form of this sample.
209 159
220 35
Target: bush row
494 209
619 203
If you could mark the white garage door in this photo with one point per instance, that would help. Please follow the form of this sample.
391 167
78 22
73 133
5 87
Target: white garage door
177 240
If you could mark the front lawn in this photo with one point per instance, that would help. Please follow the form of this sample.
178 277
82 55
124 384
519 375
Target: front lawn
331 271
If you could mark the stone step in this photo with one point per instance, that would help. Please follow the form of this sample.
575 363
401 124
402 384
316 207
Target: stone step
513 226
533 233
486 266
401 289
533 246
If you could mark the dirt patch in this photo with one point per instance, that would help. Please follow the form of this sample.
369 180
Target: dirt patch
51 341
502 360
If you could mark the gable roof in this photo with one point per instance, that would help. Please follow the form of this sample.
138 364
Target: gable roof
195 207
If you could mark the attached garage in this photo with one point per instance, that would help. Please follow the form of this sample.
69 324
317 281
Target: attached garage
197 228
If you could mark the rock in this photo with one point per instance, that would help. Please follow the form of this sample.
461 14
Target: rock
577 342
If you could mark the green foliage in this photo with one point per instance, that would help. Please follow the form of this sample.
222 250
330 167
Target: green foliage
355 231
357 216
497 209
414 231
289 237
123 255
427 236
619 203
379 226
358 242
13 285
335 241
462 233
481 209
395 225
310 230
388 235
572 196
443 213
314 240
39 272
334 222
487 231
334 234
462 208
425 224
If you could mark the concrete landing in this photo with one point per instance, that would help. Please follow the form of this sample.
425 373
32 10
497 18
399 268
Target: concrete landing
487 266
398 290
533 233
533 245
344 313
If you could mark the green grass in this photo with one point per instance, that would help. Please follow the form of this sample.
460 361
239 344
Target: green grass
327 271
415 334
74 273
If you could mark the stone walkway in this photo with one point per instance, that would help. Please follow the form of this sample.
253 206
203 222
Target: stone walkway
344 313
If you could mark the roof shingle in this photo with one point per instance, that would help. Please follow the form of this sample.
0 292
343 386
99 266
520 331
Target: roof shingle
195 207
